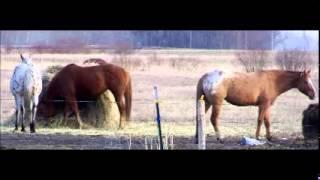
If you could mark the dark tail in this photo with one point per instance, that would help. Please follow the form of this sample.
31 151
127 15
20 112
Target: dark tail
128 98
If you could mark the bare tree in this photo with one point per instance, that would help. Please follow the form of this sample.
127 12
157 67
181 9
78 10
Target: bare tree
295 60
122 51
253 60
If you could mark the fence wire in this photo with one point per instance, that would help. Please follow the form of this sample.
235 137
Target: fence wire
161 102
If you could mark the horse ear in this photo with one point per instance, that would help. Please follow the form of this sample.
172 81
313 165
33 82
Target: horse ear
21 56
304 73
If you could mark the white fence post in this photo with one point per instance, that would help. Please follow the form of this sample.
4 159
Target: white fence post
201 124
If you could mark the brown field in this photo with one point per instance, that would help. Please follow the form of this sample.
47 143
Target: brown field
175 72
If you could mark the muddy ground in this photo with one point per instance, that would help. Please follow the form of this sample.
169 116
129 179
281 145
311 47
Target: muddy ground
19 140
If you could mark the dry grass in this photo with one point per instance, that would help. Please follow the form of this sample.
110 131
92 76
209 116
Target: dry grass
175 72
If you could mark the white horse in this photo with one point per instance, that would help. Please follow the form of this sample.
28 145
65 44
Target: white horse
26 86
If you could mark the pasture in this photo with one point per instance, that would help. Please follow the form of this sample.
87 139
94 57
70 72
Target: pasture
176 73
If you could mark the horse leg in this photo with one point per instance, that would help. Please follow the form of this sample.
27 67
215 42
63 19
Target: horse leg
17 117
267 124
262 110
33 116
216 109
65 112
34 112
72 101
122 109
22 120
18 111
33 120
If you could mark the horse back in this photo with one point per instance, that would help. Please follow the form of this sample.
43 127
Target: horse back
88 81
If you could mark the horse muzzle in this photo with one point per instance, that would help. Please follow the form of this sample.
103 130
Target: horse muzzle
312 96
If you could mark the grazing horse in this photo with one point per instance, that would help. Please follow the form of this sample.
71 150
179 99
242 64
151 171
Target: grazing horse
95 61
75 83
26 86
244 89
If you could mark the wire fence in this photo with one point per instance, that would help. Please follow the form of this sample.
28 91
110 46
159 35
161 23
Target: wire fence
161 102
178 110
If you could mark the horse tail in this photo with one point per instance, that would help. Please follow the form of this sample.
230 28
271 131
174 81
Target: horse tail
32 83
128 98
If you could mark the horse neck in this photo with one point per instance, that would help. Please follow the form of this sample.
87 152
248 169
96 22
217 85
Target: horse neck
285 80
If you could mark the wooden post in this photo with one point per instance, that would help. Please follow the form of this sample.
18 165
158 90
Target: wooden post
201 124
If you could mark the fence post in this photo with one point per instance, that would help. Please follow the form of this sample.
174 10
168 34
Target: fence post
201 124
158 116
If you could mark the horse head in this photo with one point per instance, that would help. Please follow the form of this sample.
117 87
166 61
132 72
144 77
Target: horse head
305 84
45 108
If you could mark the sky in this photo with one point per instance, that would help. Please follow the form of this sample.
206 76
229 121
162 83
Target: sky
296 40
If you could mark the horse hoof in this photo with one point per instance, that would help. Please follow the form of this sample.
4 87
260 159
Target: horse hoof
219 140
32 128
269 138
23 130
122 126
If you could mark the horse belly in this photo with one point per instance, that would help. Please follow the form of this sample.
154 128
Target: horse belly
242 99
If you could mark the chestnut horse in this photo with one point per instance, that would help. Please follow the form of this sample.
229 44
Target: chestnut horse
249 89
74 83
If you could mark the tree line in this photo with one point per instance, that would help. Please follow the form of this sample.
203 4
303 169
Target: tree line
199 39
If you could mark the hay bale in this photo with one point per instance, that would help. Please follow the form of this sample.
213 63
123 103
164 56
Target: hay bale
108 115
310 122
103 113
48 75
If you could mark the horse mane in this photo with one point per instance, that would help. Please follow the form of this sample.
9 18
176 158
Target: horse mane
284 73
283 79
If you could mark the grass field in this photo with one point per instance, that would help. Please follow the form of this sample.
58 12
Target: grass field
176 73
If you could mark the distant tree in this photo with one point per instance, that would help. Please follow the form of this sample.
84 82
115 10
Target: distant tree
295 60
253 60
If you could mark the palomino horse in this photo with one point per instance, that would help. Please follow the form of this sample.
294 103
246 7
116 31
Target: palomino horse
75 83
244 89
26 86
95 61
